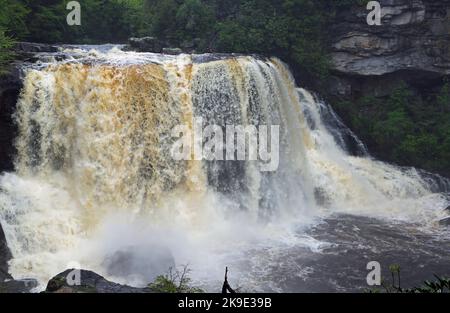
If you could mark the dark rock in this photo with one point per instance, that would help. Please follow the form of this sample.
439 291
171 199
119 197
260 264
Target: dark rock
32 47
445 222
18 286
188 44
414 36
145 44
5 256
155 45
143 263
447 209
90 282
172 51
27 51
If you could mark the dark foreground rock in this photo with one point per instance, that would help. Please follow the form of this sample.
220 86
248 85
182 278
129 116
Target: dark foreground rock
18 286
90 282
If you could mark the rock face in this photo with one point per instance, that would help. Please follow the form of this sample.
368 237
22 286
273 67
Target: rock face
414 36
145 44
10 85
412 43
32 47
90 282
5 256
140 263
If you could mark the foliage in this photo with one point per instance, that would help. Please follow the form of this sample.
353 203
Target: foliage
294 30
175 282
6 56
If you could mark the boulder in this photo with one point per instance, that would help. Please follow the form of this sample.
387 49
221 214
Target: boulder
90 282
10 85
18 286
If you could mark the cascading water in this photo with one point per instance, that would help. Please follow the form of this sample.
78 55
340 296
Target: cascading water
95 176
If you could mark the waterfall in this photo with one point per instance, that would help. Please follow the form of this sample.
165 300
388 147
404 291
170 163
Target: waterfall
94 172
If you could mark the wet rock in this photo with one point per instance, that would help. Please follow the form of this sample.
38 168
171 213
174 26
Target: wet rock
447 210
32 47
172 51
90 282
190 46
27 51
139 263
5 256
322 199
18 286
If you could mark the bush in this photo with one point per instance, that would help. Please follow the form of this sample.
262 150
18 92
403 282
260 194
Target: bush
6 55
175 282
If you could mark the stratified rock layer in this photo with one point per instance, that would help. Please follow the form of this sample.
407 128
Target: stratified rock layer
414 36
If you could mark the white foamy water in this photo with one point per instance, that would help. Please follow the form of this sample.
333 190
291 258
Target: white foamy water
94 174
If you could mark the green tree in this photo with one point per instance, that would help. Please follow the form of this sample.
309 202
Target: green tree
6 56
194 19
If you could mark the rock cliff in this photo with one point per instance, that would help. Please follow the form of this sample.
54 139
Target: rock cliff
412 43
